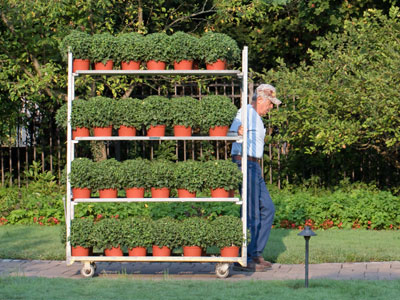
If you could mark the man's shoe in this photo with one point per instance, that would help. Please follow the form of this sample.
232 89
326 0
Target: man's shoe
251 267
260 260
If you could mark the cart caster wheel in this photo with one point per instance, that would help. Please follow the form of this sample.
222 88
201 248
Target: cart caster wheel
222 270
88 271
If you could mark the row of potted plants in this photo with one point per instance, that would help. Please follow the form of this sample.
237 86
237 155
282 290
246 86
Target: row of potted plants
137 234
136 175
156 49
213 114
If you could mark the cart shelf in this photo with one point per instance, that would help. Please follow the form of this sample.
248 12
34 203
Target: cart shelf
102 200
158 138
161 72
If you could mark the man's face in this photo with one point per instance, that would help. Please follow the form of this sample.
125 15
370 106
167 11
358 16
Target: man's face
264 106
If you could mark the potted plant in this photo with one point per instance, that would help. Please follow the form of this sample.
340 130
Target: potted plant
130 50
135 177
183 50
128 116
189 178
195 235
221 176
137 235
79 118
184 115
156 45
219 50
102 51
81 177
217 114
164 236
161 178
79 44
107 177
227 234
156 115
81 237
101 115
108 236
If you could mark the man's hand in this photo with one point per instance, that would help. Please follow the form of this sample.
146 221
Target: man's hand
240 130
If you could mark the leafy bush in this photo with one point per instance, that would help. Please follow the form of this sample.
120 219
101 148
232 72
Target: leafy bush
107 174
136 173
185 111
219 46
164 232
102 47
222 174
81 175
79 115
128 112
161 174
227 231
130 47
79 44
107 233
156 111
183 46
189 175
195 231
82 232
216 110
137 232
157 45
100 111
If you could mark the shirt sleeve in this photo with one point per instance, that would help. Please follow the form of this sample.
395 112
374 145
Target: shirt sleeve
236 122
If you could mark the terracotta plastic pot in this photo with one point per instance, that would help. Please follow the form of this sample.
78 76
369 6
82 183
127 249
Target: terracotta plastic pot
219 131
135 193
108 193
114 251
155 65
137 251
163 251
232 251
158 130
218 65
183 65
126 131
107 66
130 65
180 130
184 193
192 251
80 64
103 131
80 193
219 193
79 251
231 193
80 132
160 193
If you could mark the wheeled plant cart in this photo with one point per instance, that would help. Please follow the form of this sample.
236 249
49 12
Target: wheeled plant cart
222 267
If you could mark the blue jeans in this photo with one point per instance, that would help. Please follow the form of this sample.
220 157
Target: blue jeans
260 209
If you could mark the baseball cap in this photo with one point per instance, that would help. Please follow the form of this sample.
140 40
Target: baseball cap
267 91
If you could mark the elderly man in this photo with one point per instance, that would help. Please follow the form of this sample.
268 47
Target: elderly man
260 209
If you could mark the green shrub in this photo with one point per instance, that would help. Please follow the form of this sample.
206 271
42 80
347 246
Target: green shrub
130 47
107 174
185 111
102 47
227 231
128 112
108 233
195 231
81 175
219 46
183 46
137 232
161 174
165 232
82 232
222 174
216 110
189 175
100 111
79 44
79 115
157 45
156 111
135 173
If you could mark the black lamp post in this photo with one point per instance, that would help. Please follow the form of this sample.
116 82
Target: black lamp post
307 233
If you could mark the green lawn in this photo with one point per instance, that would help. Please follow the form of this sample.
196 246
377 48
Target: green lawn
123 288
43 242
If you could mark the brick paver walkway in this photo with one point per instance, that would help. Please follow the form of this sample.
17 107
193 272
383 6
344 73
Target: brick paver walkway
201 271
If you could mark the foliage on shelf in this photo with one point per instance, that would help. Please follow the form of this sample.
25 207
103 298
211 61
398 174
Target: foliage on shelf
107 233
107 174
156 111
136 173
183 46
161 174
157 45
222 174
195 231
102 47
219 46
79 114
100 111
128 112
136 232
189 175
216 110
227 231
81 175
82 232
164 232
130 47
185 111
79 44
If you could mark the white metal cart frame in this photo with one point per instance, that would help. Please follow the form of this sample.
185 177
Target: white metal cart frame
223 263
